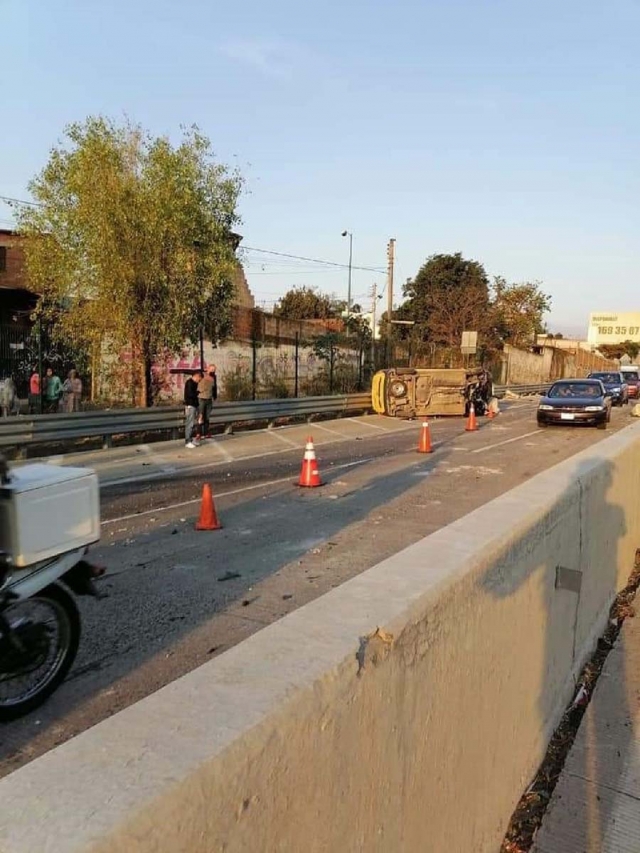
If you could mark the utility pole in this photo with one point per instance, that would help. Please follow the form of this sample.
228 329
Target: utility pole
391 253
374 302
350 236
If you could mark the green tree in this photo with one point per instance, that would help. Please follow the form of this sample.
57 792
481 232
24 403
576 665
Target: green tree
611 351
305 303
449 295
518 311
132 236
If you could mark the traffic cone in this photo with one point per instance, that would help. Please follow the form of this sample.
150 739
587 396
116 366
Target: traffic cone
490 413
208 518
472 425
424 445
309 474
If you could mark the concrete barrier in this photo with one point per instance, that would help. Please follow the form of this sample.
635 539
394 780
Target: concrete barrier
404 711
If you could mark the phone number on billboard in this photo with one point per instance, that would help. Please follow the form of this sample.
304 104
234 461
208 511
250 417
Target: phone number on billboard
619 330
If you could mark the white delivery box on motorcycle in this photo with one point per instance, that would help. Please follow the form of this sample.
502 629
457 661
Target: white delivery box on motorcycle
47 510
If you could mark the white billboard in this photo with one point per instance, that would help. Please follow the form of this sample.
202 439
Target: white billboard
611 328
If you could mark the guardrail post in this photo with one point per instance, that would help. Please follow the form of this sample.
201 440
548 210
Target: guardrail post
254 368
107 442
228 430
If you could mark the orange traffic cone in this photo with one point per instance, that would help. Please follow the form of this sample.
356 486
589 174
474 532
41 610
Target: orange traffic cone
208 518
490 413
424 445
309 475
472 425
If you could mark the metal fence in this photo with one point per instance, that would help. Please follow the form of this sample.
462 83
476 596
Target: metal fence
25 350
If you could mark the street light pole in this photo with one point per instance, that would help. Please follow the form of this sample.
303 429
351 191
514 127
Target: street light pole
350 236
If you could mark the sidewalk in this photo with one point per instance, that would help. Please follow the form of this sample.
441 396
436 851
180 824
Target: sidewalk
596 804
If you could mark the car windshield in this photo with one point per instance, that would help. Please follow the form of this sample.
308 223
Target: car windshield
609 378
631 377
575 389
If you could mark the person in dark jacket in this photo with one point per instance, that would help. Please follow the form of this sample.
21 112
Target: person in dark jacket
191 409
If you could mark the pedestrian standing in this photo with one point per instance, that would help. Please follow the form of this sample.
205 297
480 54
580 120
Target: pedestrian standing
52 391
9 404
34 393
76 386
66 403
191 406
207 393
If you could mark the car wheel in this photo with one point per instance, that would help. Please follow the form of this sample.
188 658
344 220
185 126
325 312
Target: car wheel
398 388
542 424
609 416
603 424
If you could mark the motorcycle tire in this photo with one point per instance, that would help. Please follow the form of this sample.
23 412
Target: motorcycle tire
67 615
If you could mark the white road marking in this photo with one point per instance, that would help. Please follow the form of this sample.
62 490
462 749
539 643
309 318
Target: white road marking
366 423
506 441
316 426
286 440
211 442
204 466
218 495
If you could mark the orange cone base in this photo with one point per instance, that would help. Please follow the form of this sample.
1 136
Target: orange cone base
309 475
208 519
424 445
215 526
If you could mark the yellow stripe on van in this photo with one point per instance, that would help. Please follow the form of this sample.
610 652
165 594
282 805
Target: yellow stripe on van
378 392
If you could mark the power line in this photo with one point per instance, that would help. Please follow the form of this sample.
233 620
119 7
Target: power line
311 260
11 200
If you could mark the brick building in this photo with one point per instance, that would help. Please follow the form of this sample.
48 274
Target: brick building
16 300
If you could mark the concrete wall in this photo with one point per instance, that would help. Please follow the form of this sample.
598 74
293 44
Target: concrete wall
529 368
404 711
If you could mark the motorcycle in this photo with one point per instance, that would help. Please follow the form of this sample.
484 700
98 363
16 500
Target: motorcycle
39 623
480 393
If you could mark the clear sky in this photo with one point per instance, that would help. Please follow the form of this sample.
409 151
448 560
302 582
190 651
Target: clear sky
504 129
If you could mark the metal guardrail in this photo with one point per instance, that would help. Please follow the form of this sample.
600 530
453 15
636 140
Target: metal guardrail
19 431
521 390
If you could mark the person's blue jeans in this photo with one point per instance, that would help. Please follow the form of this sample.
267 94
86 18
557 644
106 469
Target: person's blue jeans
190 414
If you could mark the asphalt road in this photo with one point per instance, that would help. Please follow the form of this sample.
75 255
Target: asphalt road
176 597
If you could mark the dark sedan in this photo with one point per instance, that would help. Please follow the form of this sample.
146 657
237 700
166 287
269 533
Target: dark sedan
575 401
615 385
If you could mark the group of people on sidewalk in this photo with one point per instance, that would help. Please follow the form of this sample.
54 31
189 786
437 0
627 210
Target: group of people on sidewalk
57 396
200 390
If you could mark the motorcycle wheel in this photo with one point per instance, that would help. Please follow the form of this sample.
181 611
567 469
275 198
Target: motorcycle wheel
48 627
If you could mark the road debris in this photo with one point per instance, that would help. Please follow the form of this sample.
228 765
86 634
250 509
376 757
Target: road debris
229 576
